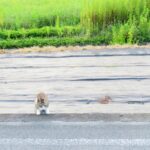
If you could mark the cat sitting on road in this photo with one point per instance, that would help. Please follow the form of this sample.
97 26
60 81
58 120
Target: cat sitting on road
41 104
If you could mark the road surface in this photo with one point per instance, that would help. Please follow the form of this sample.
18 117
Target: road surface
73 77
76 76
58 135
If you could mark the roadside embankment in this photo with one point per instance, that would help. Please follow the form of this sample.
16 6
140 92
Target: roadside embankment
68 48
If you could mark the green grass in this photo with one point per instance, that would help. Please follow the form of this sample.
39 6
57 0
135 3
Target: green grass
65 31
16 14
25 23
64 41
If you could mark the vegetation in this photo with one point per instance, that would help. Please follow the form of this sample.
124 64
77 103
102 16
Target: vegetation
65 41
73 22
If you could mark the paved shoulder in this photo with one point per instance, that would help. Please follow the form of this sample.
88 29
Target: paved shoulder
74 135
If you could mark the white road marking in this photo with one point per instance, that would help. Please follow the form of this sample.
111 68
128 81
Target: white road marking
71 142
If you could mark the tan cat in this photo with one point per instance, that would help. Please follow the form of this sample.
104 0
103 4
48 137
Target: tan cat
105 100
41 104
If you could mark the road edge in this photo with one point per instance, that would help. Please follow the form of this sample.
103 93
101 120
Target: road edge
85 117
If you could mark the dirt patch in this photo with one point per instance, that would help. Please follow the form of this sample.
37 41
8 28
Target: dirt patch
66 48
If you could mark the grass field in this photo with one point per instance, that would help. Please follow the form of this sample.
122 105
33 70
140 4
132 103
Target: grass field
41 22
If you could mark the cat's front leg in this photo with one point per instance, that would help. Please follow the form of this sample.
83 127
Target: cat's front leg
37 112
47 110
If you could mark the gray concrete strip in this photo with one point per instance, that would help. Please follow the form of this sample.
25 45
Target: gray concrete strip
75 117
59 135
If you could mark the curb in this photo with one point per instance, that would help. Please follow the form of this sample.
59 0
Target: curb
76 117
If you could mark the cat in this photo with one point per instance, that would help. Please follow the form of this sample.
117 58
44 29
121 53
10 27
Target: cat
41 104
105 100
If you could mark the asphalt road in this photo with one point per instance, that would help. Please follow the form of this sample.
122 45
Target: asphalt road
76 76
58 135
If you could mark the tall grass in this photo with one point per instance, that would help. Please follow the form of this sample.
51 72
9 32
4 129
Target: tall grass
117 21
16 14
99 14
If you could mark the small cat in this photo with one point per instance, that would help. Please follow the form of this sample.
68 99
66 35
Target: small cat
105 100
41 104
